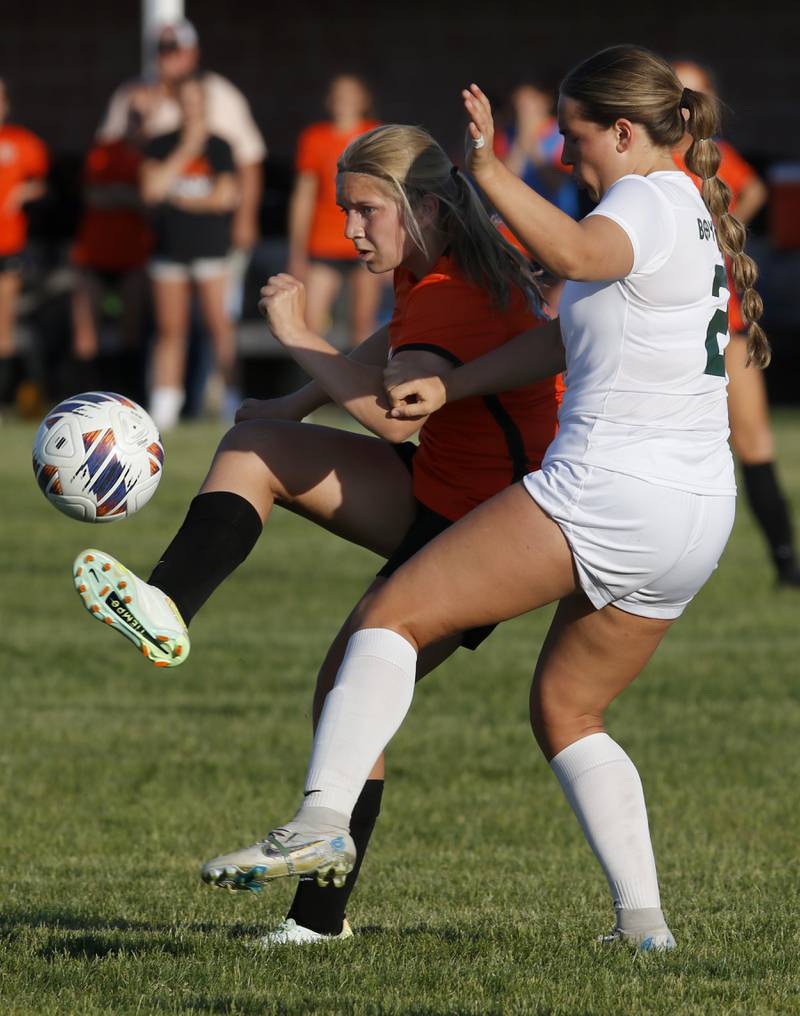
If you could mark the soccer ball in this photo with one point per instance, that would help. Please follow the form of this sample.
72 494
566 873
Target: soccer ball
98 457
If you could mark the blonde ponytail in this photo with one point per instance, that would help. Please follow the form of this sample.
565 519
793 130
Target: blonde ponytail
703 158
411 164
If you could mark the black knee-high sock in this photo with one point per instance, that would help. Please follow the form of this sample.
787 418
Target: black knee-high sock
219 531
772 514
323 910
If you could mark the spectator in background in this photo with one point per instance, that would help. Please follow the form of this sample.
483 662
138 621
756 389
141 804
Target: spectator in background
228 112
189 178
114 241
23 167
531 147
748 408
319 253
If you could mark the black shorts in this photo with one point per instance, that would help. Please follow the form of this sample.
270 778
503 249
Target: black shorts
11 262
427 525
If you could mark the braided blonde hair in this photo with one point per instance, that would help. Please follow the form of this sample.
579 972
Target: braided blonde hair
632 82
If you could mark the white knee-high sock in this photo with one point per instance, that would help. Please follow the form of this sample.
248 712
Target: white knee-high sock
603 787
362 713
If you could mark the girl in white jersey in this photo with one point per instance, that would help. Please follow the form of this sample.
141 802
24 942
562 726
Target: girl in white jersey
633 504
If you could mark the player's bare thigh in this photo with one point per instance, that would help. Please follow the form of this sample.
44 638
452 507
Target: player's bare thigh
352 485
503 559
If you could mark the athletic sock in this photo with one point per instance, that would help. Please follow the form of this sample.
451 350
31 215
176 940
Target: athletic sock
605 792
322 909
10 374
363 711
219 531
769 507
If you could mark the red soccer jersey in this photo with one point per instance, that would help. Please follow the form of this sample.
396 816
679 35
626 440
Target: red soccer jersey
737 174
22 157
318 151
472 449
113 235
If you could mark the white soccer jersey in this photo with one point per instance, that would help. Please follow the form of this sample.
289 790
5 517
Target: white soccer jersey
646 386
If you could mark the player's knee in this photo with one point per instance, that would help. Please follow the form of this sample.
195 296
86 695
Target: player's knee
374 611
557 722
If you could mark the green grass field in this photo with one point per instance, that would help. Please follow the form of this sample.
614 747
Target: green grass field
119 779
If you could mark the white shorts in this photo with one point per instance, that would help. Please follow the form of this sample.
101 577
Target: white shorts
645 548
178 271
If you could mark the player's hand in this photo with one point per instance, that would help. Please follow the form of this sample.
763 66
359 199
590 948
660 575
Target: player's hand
267 409
283 304
480 132
412 393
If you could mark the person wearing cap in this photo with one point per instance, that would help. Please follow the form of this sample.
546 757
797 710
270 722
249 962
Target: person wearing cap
227 110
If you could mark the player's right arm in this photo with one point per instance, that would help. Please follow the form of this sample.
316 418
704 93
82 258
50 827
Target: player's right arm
296 405
531 356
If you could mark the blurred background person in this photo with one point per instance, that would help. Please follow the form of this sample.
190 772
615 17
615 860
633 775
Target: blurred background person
23 168
228 112
748 407
319 253
531 146
112 246
188 176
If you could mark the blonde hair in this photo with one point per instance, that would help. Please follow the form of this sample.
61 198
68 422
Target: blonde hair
411 164
631 82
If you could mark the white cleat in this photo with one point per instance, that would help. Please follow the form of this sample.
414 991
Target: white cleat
142 613
329 857
660 940
289 932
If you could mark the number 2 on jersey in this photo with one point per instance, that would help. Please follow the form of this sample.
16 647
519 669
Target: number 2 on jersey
718 325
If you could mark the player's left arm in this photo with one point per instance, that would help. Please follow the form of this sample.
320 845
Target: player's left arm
592 250
354 385
531 356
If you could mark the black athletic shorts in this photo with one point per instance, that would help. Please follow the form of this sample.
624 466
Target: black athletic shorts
11 262
426 526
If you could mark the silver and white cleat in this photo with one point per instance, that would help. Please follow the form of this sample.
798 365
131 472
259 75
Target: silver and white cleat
289 932
327 856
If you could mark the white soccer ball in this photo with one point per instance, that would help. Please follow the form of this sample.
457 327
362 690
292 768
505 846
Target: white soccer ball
98 457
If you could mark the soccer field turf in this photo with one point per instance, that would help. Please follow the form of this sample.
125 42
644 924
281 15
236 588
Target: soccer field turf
479 894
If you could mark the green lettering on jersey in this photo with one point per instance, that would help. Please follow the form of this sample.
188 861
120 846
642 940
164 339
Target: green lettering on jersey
718 325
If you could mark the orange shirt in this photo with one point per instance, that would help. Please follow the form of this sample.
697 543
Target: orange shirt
318 151
737 174
472 449
22 157
114 235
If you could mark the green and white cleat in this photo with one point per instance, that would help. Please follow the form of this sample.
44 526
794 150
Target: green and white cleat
329 856
289 932
142 613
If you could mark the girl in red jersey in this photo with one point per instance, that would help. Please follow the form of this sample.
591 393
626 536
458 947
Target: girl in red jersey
113 242
23 166
319 255
461 291
748 407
